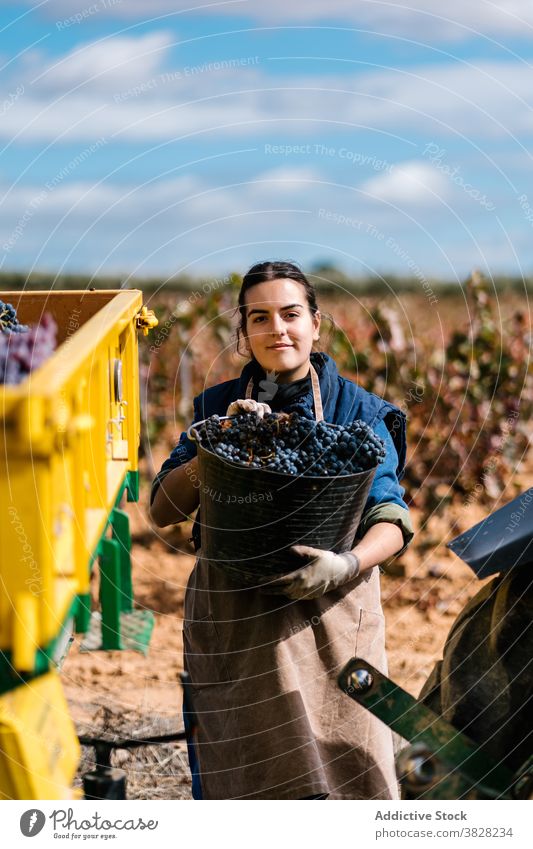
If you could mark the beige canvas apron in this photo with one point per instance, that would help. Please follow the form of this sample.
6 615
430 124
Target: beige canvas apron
272 722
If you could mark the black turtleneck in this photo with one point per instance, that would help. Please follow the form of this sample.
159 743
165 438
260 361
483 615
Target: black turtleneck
283 394
287 392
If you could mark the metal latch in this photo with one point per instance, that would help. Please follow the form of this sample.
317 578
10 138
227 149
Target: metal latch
146 320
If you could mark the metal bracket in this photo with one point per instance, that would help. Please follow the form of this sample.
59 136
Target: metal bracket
145 320
442 762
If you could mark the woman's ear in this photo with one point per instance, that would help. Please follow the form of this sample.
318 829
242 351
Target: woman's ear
316 326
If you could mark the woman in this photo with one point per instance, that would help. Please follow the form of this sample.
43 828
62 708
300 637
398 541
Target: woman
272 722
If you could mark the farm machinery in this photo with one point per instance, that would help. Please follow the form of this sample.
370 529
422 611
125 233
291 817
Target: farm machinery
70 438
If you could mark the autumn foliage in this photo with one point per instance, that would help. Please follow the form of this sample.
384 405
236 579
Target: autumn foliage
461 372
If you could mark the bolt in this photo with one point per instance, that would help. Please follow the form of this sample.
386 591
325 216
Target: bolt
420 770
361 680
416 766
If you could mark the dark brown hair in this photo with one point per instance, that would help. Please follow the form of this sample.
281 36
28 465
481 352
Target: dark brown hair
263 272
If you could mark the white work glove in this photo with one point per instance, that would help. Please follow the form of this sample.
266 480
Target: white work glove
248 405
326 571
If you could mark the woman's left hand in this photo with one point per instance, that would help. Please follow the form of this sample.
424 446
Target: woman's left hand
325 571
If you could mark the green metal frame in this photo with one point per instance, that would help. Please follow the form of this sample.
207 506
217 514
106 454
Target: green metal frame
116 591
442 762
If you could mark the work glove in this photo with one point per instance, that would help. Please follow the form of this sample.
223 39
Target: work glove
248 405
325 571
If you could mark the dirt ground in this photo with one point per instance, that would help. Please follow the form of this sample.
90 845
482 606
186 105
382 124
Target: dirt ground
125 692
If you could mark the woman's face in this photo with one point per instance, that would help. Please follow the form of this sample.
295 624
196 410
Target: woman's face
280 328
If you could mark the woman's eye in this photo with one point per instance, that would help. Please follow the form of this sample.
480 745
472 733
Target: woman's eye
287 315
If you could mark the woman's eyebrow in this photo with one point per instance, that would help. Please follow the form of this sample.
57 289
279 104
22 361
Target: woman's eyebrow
288 306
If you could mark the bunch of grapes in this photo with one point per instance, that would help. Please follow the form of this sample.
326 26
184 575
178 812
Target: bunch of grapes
293 444
9 322
21 352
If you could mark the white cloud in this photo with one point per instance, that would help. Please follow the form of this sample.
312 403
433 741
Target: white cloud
428 20
126 87
285 211
410 183
189 199
111 63
286 180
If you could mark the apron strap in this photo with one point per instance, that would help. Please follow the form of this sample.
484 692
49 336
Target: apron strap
317 397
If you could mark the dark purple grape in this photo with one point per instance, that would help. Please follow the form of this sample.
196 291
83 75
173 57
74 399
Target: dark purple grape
9 322
293 444
23 351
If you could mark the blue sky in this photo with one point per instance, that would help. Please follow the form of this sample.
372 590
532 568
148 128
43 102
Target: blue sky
206 137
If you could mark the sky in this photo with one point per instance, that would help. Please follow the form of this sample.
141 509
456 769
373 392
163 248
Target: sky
158 138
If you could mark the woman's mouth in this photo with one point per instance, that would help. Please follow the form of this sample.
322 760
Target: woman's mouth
279 347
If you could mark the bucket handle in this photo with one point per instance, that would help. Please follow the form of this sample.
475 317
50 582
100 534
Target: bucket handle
193 435
191 430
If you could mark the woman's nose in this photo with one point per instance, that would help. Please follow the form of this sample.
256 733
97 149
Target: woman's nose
277 324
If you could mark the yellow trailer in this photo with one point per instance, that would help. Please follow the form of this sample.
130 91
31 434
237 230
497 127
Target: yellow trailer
69 450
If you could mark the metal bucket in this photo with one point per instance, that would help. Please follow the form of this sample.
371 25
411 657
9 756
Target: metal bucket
250 517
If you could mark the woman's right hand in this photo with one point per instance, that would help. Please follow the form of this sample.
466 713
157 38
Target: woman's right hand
248 405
